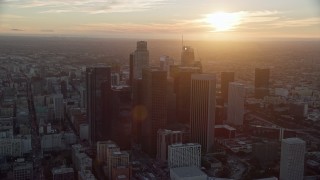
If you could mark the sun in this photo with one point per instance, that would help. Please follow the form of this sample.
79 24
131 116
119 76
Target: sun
222 21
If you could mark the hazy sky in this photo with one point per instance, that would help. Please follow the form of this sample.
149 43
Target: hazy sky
195 19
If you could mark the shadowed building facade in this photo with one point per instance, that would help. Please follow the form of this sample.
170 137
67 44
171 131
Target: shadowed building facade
261 82
202 110
226 78
182 90
154 100
236 103
98 82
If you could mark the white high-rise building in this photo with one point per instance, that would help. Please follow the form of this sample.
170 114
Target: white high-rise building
140 59
292 159
184 155
58 106
236 96
202 110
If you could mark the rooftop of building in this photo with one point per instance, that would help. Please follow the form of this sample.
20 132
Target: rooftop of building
225 126
185 172
61 170
120 153
294 141
184 145
167 131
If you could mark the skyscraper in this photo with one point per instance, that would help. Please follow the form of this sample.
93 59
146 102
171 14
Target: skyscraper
182 84
187 56
202 110
226 78
292 159
58 106
98 81
131 61
167 137
140 59
261 82
154 91
165 63
236 103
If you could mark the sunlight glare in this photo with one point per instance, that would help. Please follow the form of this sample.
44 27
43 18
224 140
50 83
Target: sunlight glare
222 21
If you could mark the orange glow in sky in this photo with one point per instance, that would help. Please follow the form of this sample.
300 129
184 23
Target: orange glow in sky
203 19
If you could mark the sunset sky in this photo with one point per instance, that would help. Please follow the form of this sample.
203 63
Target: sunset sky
195 19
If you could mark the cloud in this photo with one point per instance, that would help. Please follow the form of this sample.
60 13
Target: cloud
88 6
175 26
15 29
47 30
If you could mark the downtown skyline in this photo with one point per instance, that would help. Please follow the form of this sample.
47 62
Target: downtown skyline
162 19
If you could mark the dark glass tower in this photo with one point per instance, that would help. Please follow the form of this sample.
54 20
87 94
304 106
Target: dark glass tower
154 92
98 81
226 78
183 87
261 82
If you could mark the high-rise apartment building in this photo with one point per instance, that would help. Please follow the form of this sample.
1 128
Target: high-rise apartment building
154 100
236 103
165 138
184 155
261 82
140 59
226 78
292 159
202 110
98 82
182 86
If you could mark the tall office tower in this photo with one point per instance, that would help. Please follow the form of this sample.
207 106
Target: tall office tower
64 89
154 91
187 56
182 84
138 110
261 82
165 63
184 155
236 103
292 159
167 137
226 78
98 82
202 110
58 106
140 59
131 57
121 116
83 97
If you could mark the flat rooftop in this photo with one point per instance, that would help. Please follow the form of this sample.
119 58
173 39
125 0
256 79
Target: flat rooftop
294 141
